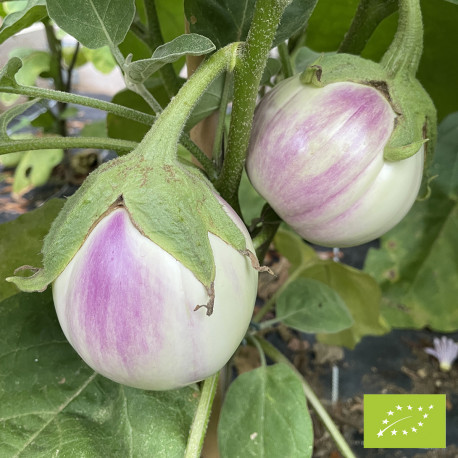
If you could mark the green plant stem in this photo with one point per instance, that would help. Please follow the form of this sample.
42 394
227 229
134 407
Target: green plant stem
404 53
143 92
270 224
218 151
312 398
139 88
154 39
201 418
55 47
43 93
169 126
120 146
119 110
248 72
285 60
206 163
369 14
71 67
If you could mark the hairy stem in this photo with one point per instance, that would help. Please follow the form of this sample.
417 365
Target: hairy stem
43 93
312 398
248 73
200 422
30 144
169 126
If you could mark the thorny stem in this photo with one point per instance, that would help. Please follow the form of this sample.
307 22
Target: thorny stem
248 72
200 422
404 53
369 14
312 398
154 39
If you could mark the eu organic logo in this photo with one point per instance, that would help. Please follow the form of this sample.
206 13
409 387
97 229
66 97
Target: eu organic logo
404 421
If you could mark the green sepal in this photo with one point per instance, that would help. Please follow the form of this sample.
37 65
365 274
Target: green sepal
169 202
416 116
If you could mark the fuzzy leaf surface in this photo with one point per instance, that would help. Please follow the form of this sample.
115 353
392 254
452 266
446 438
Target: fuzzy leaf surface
52 403
94 23
265 414
417 265
34 11
311 306
188 44
358 290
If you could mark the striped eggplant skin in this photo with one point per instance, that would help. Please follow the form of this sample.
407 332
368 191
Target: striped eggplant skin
127 307
316 156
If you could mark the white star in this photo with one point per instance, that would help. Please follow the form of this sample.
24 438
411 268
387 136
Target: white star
404 432
394 432
385 422
414 429
398 407
425 415
420 408
430 407
390 412
409 407
420 423
380 433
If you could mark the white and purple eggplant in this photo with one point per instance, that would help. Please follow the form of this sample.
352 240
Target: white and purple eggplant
317 156
154 275
339 151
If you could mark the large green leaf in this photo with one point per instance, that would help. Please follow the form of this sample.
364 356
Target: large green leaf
358 290
311 306
34 11
227 21
53 404
265 414
417 265
361 295
21 241
94 23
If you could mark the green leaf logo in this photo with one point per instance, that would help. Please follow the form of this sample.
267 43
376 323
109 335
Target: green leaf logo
404 421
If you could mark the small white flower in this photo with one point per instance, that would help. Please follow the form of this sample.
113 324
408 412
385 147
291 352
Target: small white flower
445 350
